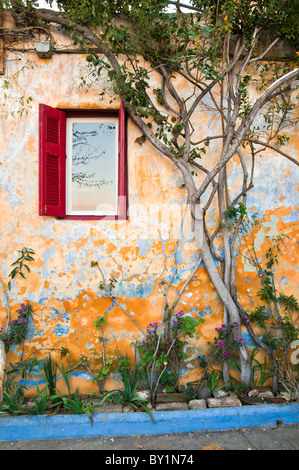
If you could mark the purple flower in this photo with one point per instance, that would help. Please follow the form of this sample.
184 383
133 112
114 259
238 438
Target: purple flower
221 344
179 314
152 330
236 325
218 329
143 343
223 326
246 320
175 320
239 340
225 353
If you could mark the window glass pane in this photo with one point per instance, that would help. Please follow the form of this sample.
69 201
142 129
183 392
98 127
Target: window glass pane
92 172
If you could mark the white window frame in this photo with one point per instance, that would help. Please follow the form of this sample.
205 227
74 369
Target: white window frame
69 122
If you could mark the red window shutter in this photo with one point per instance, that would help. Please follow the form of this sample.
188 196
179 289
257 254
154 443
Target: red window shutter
52 134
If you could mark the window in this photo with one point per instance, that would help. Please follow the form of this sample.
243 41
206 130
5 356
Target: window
82 163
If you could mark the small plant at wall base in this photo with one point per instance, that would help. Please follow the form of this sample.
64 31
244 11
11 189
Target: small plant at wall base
98 365
161 354
277 316
131 377
210 381
224 344
261 371
46 400
15 333
103 372
224 347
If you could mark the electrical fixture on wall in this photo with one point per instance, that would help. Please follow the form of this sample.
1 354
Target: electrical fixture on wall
43 49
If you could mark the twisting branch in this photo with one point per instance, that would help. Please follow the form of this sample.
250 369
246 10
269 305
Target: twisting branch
115 300
244 127
272 147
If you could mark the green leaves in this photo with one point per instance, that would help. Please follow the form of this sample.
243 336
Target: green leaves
78 406
21 264
41 401
236 212
50 374
231 16
100 322
12 404
103 371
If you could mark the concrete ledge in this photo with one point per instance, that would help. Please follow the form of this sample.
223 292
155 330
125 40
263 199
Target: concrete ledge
14 428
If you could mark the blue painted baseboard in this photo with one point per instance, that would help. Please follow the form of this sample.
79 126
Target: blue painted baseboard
28 427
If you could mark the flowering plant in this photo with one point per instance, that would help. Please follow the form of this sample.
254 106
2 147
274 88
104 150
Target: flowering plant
184 325
15 332
225 344
162 348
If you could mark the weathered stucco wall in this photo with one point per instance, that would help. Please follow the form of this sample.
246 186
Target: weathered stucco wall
62 286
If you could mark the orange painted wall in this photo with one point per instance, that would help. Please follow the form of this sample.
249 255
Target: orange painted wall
62 286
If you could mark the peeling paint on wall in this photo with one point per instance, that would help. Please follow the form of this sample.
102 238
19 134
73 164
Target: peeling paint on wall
139 252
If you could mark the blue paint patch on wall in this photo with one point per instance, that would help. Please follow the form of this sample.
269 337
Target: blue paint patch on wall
284 281
82 375
206 311
39 333
86 297
143 245
111 307
292 217
61 315
31 332
64 315
61 330
132 290
31 383
249 341
47 255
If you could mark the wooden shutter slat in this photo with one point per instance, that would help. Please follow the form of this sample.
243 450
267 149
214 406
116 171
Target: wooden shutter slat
52 134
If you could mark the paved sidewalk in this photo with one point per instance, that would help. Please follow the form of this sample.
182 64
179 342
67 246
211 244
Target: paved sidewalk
281 437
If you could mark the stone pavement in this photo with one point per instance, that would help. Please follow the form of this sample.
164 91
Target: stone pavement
281 437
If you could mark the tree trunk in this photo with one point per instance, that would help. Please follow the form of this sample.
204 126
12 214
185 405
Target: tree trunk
227 300
227 254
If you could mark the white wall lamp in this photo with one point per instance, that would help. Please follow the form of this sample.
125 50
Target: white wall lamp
43 49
